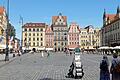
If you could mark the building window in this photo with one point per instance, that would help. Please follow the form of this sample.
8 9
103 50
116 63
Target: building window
41 39
62 43
41 44
34 44
29 39
55 44
37 43
41 29
25 39
65 43
29 44
25 29
33 34
33 29
37 34
29 29
65 38
41 34
25 44
29 34
37 39
25 34
33 39
38 29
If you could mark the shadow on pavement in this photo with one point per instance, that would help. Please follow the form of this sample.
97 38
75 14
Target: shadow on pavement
46 79
49 79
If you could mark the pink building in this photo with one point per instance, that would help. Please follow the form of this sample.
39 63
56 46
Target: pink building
49 38
73 36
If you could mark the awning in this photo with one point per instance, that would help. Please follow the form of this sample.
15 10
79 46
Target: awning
3 46
42 48
71 48
49 49
105 47
117 47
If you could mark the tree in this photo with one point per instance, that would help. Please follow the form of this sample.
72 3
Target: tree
12 31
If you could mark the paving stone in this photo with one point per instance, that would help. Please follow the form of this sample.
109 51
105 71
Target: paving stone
54 67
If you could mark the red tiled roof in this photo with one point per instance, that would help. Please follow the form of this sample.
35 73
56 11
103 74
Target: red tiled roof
74 23
54 18
34 25
2 10
48 29
111 16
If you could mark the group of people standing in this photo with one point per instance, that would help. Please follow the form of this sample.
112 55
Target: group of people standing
114 69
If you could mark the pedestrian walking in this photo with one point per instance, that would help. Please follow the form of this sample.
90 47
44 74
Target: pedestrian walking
48 54
104 69
42 54
18 53
115 67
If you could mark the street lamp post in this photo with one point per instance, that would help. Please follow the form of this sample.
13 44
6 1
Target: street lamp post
7 48
21 23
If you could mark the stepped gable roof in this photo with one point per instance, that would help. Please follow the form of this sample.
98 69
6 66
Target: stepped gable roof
54 18
48 29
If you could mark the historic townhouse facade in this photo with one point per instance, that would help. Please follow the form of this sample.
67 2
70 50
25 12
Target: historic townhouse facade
83 38
111 29
3 26
89 38
73 35
60 29
33 36
49 38
58 36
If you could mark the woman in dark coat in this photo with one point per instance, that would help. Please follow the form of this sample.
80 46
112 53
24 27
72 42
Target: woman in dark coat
115 74
104 69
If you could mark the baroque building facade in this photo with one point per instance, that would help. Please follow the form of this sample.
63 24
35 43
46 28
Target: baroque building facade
73 35
49 38
33 36
3 26
60 29
89 37
111 29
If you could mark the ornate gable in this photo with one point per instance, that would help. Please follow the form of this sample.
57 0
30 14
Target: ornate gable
59 20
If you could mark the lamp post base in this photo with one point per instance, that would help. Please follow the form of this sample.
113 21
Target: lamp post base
6 58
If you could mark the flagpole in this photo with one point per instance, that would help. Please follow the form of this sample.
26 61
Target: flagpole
7 48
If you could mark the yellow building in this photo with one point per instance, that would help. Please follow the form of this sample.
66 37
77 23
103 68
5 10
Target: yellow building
33 36
89 38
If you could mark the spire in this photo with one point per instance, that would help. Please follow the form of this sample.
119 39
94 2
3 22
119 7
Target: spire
60 14
118 10
104 14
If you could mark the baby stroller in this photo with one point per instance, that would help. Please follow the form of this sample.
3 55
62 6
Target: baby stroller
70 73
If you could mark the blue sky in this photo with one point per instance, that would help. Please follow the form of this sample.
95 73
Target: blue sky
84 12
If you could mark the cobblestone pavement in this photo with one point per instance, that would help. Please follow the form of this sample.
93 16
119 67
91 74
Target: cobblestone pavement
54 67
